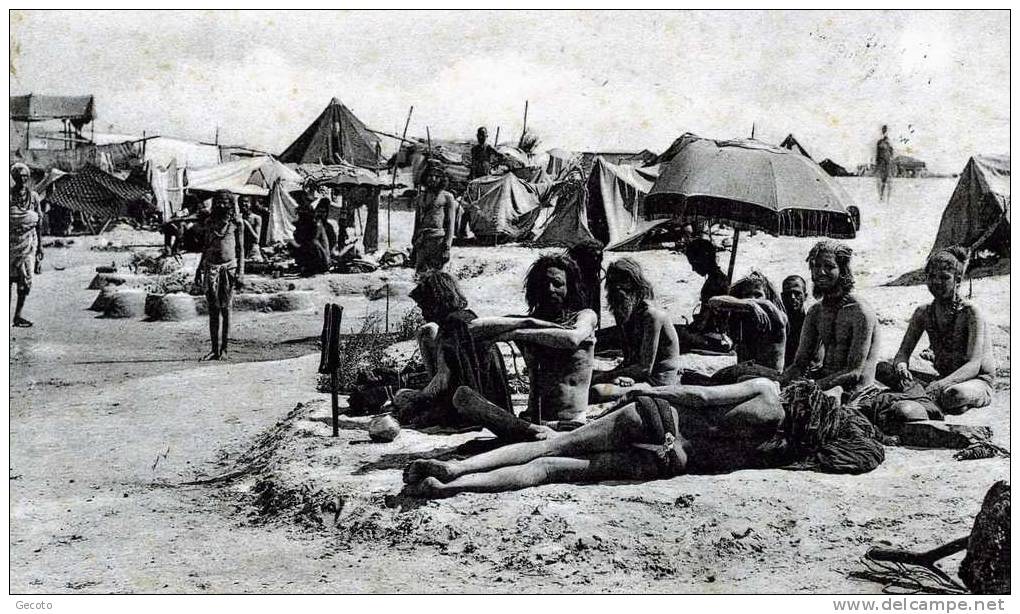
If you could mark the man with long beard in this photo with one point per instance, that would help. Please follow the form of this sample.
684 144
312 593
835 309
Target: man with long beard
651 352
840 323
557 339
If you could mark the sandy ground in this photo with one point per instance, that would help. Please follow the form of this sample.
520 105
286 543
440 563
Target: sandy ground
110 419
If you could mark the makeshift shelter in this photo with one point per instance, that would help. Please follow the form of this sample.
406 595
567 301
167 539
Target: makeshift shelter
833 169
282 215
167 185
791 143
74 111
503 207
95 193
608 210
336 136
977 215
250 176
908 166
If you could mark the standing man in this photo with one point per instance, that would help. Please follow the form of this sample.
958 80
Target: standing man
252 228
840 323
794 299
25 238
434 220
884 165
482 155
221 268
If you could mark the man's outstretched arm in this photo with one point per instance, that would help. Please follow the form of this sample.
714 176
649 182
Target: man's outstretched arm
561 337
494 326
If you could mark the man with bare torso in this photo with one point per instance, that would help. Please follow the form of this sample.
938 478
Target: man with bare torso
651 352
557 339
221 268
840 323
434 222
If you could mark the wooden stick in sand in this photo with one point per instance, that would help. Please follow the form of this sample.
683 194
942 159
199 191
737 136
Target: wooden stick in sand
393 181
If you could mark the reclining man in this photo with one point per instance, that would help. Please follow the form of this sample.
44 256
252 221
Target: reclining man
665 432
840 323
957 333
651 353
557 339
451 358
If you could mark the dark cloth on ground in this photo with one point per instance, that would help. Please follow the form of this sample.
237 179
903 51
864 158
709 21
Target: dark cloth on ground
821 434
985 570
662 430
741 372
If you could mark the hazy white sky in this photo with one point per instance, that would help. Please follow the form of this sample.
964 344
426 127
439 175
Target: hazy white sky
596 80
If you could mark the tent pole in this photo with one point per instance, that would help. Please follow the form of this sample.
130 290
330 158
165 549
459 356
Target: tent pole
525 129
496 142
733 255
393 181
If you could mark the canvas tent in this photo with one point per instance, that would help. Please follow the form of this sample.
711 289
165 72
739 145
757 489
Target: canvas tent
282 215
94 193
504 207
251 176
977 216
833 169
610 212
79 110
336 136
791 143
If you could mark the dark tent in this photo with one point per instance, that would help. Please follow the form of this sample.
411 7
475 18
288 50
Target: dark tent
95 193
336 136
833 169
790 142
977 216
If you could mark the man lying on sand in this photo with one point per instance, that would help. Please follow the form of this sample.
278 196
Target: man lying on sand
840 323
451 358
958 336
557 339
651 353
665 432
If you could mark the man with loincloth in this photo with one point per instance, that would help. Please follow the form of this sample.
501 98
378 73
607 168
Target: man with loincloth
221 268
651 354
756 320
794 300
451 357
959 339
701 255
654 434
25 239
557 339
434 222
840 323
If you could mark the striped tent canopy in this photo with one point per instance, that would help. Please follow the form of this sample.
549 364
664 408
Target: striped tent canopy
95 192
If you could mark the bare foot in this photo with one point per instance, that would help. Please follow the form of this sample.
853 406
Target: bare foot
209 356
223 355
429 488
21 322
418 470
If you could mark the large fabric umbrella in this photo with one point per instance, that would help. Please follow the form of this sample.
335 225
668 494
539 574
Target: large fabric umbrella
749 185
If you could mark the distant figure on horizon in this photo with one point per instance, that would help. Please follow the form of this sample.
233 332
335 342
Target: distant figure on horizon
482 155
884 165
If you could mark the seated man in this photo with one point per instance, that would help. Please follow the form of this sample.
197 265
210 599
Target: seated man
841 324
702 333
588 256
310 246
757 321
957 333
651 354
451 358
557 339
794 301
666 432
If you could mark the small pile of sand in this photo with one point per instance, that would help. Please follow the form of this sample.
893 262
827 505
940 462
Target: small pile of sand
170 307
251 302
392 288
298 300
126 304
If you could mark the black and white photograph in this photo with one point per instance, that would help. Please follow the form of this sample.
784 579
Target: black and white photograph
510 302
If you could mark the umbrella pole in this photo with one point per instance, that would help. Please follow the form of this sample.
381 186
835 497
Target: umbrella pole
733 255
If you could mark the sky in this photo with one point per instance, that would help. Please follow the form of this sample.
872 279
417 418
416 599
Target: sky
603 81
